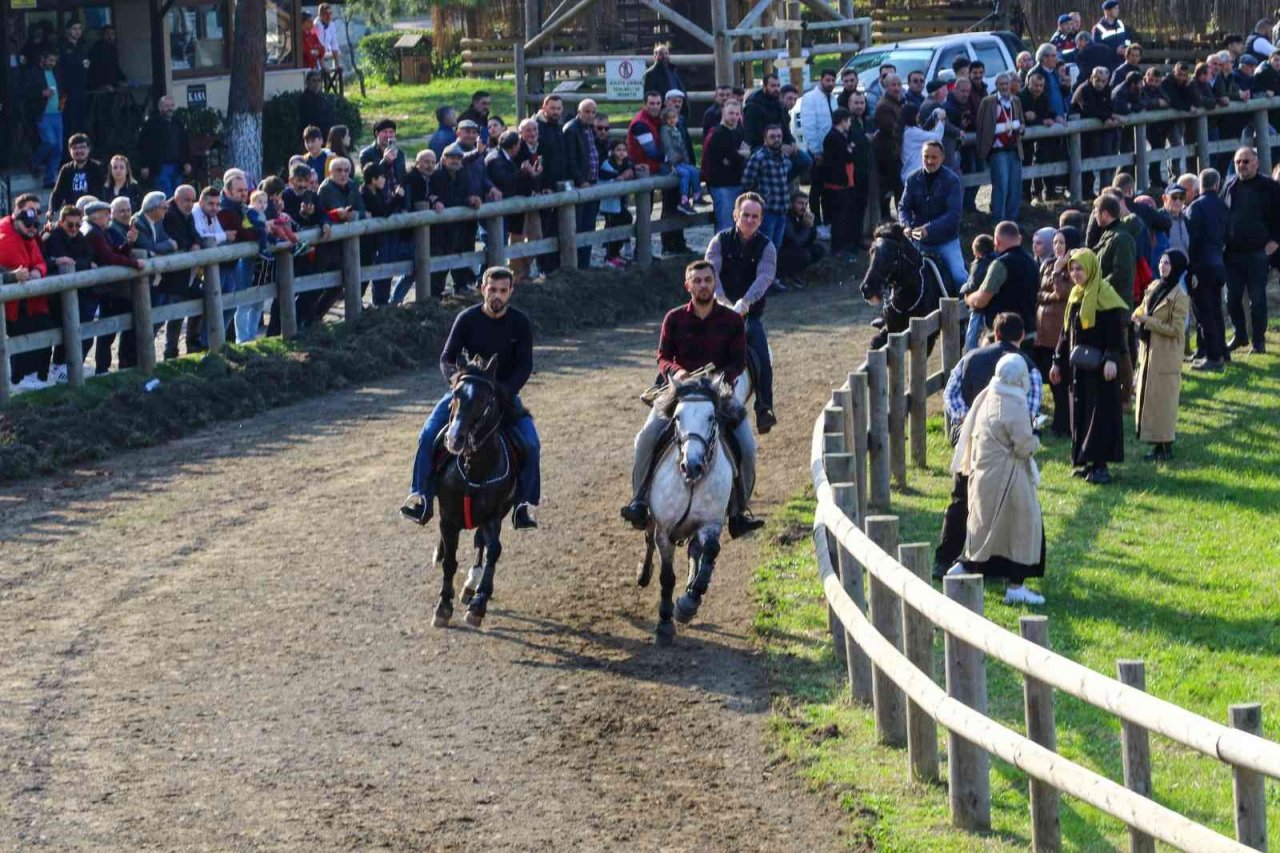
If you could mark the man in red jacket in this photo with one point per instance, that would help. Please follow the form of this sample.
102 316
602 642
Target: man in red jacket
21 261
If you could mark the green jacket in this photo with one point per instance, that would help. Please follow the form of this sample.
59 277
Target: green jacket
1118 257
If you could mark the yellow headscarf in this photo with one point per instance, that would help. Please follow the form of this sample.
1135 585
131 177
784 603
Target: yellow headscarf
1095 294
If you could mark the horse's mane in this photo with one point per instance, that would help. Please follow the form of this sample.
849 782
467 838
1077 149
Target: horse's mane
478 366
891 230
715 387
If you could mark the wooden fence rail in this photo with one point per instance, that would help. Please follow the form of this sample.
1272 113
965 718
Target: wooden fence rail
349 275
890 650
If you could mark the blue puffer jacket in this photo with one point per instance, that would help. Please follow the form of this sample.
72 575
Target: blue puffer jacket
937 208
1207 232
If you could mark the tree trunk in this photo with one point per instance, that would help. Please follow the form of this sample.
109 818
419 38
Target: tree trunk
439 28
244 102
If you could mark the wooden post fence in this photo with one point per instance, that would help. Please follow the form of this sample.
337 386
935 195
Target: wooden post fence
918 340
886 616
285 300
1136 746
857 664
878 435
917 644
968 772
1037 698
351 279
897 353
1249 786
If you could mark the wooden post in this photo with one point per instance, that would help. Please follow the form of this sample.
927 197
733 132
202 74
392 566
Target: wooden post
1136 744
1202 141
1140 156
532 26
766 41
1075 181
886 617
566 215
898 407
522 84
857 664
495 250
724 45
837 465
1037 699
1262 141
144 333
843 398
1249 786
6 380
952 333
968 773
917 645
285 301
792 8
878 434
422 263
215 329
919 375
644 228
71 341
859 415
354 302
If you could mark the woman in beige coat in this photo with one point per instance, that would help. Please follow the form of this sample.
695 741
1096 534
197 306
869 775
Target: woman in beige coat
1162 329
1004 534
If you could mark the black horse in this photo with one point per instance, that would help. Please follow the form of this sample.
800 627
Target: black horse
913 280
476 474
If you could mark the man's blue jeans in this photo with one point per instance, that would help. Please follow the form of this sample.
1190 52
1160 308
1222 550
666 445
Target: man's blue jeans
722 201
231 277
1006 185
1247 273
758 341
49 128
800 161
773 227
585 213
952 260
167 178
529 489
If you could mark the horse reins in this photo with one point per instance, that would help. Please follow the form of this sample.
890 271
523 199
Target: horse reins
474 444
711 443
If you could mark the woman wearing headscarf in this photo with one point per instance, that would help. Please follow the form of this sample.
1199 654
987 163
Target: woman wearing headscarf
1004 531
1042 244
1051 309
1162 327
1091 346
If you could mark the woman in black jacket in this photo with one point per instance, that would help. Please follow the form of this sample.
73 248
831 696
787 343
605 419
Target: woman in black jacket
1092 99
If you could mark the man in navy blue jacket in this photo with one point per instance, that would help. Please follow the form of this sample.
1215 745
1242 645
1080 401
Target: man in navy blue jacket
930 210
1206 240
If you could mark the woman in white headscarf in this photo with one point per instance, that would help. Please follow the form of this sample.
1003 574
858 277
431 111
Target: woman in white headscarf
1005 530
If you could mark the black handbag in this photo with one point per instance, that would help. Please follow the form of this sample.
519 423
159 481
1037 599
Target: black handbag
1086 357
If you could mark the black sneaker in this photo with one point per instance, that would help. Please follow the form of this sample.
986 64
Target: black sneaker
636 512
765 421
1205 364
522 518
1237 343
939 571
741 525
416 509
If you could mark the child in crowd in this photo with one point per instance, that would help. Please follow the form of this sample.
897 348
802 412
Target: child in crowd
616 167
984 252
676 157
269 227
317 156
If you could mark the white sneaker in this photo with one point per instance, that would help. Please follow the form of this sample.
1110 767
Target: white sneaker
958 569
30 382
58 374
1022 595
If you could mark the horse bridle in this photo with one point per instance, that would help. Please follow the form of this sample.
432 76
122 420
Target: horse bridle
708 441
490 407
899 257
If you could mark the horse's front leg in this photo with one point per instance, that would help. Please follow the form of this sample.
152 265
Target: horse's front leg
492 530
476 570
645 573
709 548
448 554
666 630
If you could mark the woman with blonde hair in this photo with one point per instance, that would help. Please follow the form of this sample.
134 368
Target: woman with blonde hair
120 183
1092 343
1004 530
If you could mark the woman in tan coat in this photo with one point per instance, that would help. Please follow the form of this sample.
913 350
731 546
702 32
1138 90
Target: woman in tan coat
1162 324
1004 533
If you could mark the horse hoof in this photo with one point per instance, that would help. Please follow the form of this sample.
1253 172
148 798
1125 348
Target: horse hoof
443 614
686 609
665 634
643 575
467 594
473 618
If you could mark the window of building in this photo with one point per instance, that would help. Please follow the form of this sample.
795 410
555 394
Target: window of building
281 33
198 35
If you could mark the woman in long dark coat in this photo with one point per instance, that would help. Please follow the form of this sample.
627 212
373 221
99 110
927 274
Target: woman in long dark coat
1096 317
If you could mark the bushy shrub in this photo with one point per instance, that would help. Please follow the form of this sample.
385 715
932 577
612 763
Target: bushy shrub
281 130
380 58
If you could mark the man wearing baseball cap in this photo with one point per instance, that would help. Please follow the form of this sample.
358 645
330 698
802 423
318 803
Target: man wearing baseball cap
1065 37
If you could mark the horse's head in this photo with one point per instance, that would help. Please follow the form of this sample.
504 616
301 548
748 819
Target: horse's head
889 249
696 407
476 408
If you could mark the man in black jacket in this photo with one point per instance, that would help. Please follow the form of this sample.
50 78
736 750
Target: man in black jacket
582 158
1012 283
764 108
838 183
79 176
180 225
65 249
451 186
1207 219
1253 234
662 76
500 164
551 147
164 152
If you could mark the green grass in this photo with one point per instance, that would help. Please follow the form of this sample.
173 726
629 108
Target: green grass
1176 565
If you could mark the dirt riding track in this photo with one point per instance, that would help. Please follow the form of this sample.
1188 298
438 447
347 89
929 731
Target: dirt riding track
225 643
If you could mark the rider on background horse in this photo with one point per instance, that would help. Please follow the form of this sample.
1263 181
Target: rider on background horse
699 333
930 211
745 263
489 329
